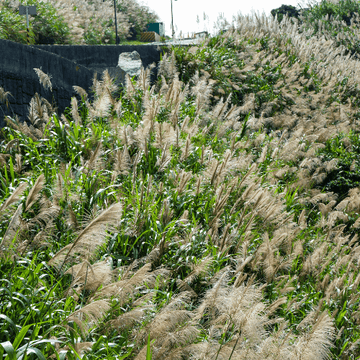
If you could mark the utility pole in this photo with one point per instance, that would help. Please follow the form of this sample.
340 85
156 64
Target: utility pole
172 21
117 39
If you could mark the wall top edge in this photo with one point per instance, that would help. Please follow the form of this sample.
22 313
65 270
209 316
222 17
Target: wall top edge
112 45
68 45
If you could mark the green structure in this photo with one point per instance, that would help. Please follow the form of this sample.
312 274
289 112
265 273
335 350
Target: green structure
159 28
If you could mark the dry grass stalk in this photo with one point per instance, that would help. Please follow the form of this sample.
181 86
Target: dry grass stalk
12 230
34 193
88 277
14 197
123 289
44 78
89 315
91 237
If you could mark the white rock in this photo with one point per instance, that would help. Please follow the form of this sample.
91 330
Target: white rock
130 63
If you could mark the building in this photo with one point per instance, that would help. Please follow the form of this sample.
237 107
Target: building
159 28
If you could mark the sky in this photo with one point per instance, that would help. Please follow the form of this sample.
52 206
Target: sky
185 12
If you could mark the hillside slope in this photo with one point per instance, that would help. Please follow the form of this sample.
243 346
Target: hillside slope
212 216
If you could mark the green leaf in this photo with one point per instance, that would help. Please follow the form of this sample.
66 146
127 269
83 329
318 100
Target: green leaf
20 336
8 347
126 355
342 314
2 316
12 171
37 352
6 175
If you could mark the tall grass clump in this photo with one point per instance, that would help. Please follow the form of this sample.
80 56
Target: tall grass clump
329 19
211 215
80 22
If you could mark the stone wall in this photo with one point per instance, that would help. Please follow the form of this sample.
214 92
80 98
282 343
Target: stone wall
68 65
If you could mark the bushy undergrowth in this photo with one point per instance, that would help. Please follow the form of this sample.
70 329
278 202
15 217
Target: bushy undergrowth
331 19
214 215
68 22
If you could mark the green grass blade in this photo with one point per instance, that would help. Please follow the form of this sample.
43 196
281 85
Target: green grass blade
8 347
148 351
6 318
20 336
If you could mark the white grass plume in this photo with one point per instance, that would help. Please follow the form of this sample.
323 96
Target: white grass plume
100 107
48 212
165 134
124 288
34 192
122 163
151 105
80 91
129 319
23 127
167 67
164 160
95 161
199 269
213 299
126 135
44 78
12 229
202 89
108 84
89 277
185 151
91 237
316 344
14 197
3 96
164 323
166 213
169 346
89 315
130 89
75 111
144 78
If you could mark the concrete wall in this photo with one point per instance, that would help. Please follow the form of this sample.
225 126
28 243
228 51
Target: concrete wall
100 57
68 65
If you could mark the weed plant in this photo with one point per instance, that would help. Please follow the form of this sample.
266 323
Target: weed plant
213 215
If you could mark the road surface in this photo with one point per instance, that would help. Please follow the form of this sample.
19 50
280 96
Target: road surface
178 42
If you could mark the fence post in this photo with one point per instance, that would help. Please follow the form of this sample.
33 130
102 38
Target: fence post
27 25
27 10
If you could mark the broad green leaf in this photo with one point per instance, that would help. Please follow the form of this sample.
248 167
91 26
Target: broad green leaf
35 351
20 336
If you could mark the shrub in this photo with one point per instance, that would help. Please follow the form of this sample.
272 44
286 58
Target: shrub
289 10
80 23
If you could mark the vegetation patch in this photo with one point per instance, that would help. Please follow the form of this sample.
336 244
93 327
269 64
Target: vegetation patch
213 215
